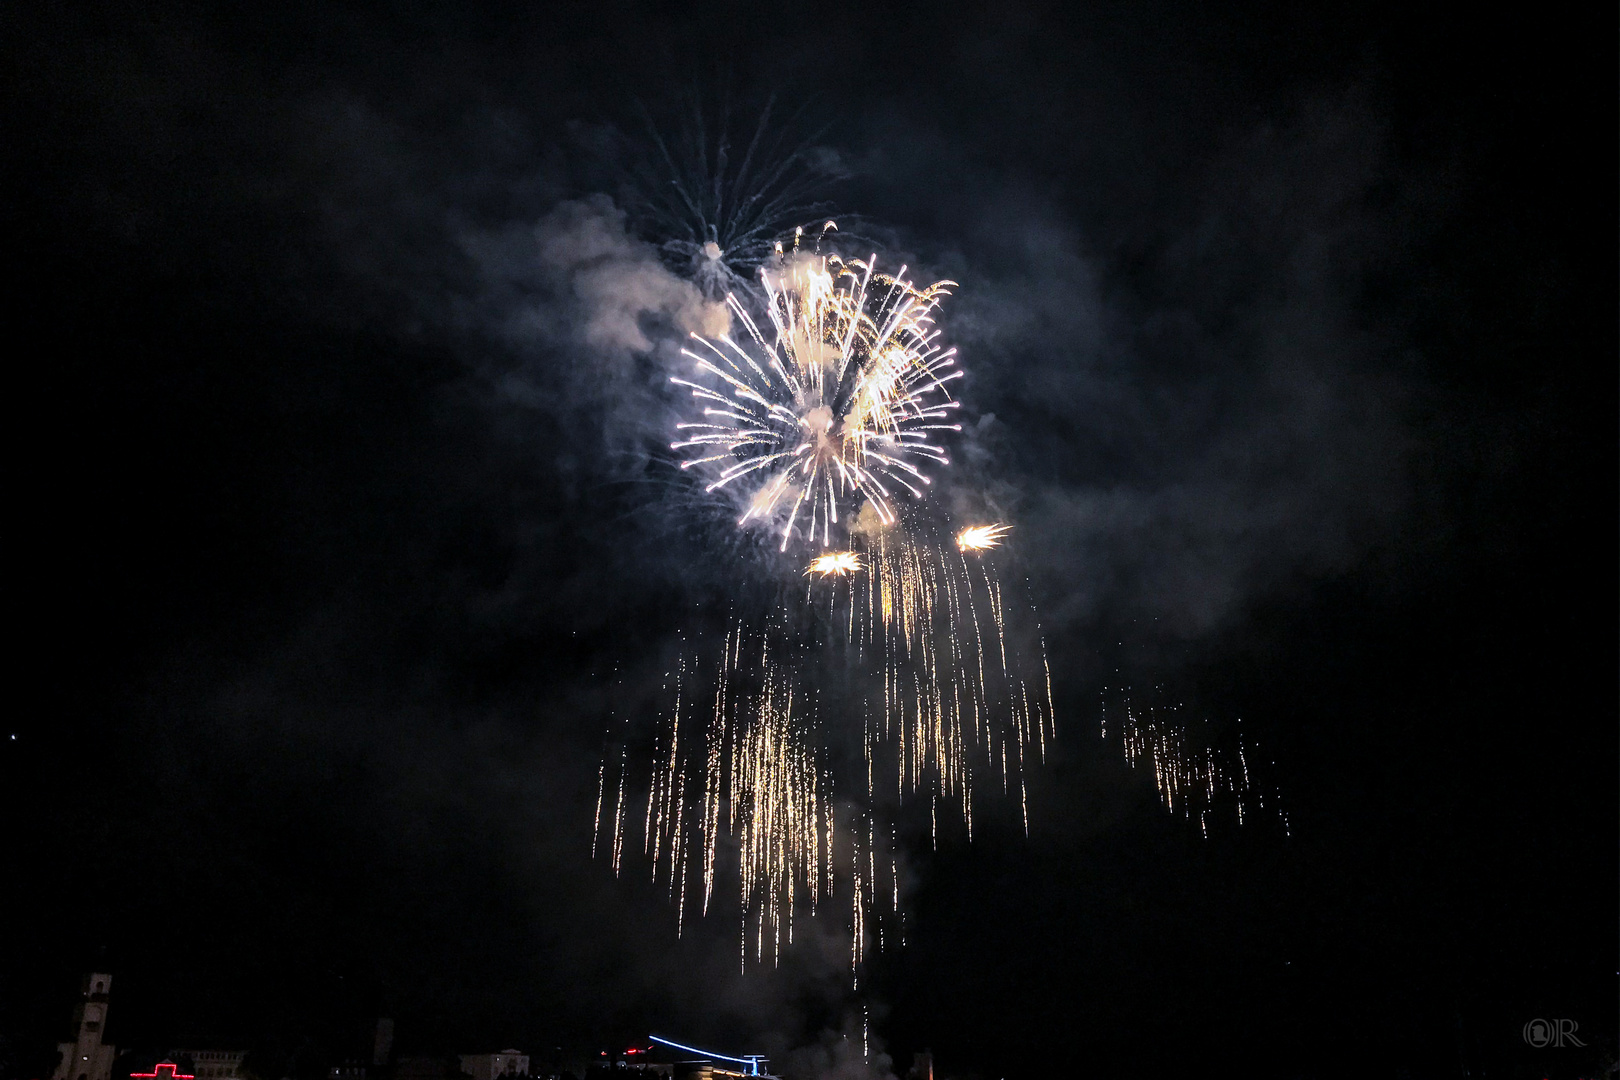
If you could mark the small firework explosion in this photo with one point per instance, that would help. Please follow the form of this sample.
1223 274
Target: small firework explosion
835 562
981 537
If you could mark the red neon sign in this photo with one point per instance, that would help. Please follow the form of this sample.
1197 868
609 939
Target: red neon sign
164 1070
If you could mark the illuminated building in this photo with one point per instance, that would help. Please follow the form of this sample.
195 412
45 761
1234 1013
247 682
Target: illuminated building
87 1057
213 1064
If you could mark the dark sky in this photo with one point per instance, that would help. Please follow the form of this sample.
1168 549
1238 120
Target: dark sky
1291 340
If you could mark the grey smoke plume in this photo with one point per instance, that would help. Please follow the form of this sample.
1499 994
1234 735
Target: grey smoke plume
585 320
577 276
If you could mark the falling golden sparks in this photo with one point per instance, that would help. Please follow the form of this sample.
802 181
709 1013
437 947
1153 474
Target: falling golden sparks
981 537
835 562
950 704
1192 777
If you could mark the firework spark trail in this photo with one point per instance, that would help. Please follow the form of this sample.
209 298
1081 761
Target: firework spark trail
1192 777
618 819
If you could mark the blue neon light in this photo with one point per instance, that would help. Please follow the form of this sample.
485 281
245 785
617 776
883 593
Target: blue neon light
752 1061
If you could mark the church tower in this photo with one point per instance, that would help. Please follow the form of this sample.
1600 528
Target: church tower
87 1057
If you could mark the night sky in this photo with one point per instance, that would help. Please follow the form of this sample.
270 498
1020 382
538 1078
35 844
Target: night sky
337 523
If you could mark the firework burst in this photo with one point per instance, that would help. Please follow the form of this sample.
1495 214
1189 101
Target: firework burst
718 193
839 406
895 671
